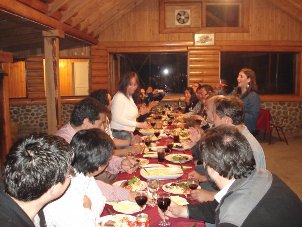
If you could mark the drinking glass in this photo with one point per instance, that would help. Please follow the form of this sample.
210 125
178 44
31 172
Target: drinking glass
161 154
157 133
193 184
141 198
147 141
152 123
163 202
153 186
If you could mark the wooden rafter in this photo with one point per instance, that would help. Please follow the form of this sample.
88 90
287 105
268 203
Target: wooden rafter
119 11
55 5
22 10
73 8
292 7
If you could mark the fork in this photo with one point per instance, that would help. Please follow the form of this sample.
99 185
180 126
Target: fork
182 168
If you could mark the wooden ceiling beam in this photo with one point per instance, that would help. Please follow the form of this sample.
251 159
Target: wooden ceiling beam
75 6
25 11
120 11
289 7
83 13
55 5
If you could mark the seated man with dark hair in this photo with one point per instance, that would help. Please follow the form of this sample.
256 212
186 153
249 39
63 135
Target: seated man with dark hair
248 196
36 172
90 113
83 201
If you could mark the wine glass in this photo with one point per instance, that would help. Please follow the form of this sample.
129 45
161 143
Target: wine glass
153 186
163 202
193 183
157 133
141 198
147 141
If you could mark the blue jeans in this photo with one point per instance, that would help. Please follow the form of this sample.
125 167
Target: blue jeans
122 135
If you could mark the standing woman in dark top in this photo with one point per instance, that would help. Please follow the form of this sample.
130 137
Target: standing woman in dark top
247 91
190 99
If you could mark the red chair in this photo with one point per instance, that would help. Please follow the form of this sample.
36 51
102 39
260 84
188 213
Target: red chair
265 123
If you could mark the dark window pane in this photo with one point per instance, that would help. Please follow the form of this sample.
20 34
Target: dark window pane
222 15
166 71
275 71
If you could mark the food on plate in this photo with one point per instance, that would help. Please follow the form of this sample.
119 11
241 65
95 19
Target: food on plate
179 200
147 131
180 158
126 207
180 187
133 184
143 161
118 220
184 134
177 146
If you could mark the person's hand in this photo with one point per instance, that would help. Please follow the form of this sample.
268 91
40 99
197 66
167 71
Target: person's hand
196 134
86 202
202 195
129 165
153 104
135 140
131 196
143 125
144 109
174 211
197 176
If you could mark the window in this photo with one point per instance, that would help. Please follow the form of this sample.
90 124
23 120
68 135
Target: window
275 71
222 15
167 71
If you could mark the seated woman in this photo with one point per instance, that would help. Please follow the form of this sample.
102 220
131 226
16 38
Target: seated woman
190 99
85 198
247 91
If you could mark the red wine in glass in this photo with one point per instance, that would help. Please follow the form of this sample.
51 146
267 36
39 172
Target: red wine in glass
157 133
163 203
152 124
141 199
147 142
193 186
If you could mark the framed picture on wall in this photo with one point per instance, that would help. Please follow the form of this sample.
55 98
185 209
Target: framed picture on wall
204 39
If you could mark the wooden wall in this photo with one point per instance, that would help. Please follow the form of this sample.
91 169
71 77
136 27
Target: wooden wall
270 29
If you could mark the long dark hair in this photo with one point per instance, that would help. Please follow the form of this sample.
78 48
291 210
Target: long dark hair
252 86
125 81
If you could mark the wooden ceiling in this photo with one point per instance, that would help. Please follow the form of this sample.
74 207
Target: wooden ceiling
82 21
22 21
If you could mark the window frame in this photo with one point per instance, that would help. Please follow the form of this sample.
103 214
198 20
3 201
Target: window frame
267 46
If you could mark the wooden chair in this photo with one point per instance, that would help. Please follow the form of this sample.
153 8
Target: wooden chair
266 124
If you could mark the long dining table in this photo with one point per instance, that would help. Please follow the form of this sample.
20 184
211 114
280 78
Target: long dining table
152 211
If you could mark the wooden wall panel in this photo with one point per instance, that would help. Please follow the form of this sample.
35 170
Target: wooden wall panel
267 22
203 65
99 71
65 74
17 80
35 77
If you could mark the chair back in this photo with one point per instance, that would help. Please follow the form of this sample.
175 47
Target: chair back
263 122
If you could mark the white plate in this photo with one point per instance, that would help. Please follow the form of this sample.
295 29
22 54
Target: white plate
161 173
119 219
154 165
157 147
150 155
147 132
126 207
179 158
181 146
176 189
179 200
141 186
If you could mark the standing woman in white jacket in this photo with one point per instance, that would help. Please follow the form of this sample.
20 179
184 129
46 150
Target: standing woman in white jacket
124 110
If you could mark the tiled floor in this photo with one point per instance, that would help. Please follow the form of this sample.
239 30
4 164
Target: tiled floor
286 161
